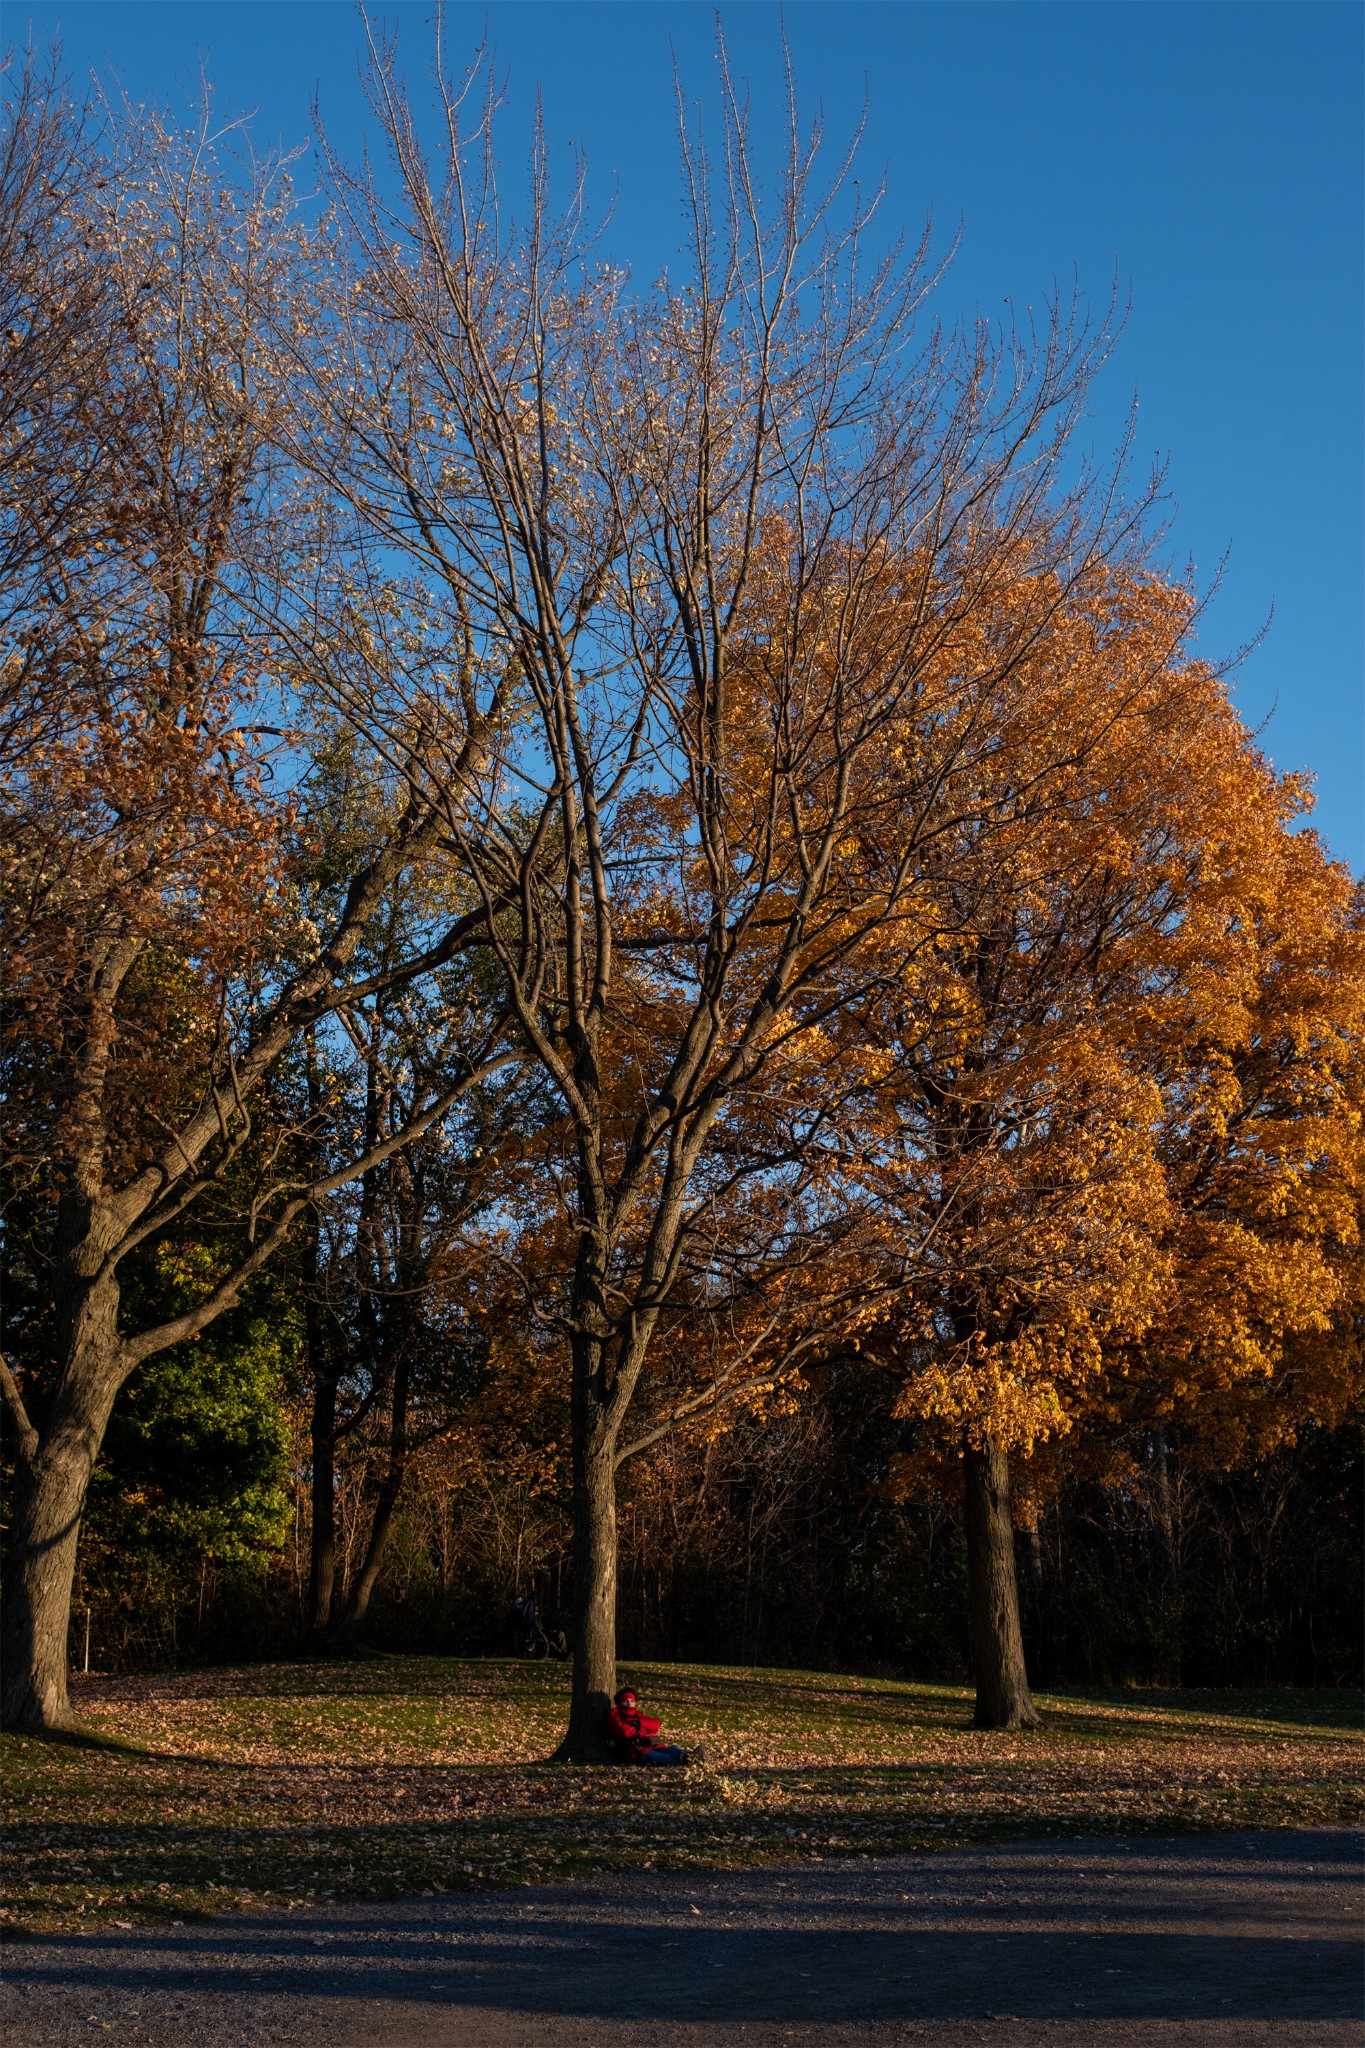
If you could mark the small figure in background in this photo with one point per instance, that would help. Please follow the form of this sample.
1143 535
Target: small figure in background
525 1624
529 1637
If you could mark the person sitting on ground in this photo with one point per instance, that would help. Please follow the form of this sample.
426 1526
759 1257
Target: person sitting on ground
634 1737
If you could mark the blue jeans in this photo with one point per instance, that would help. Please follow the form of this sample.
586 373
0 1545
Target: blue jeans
664 1753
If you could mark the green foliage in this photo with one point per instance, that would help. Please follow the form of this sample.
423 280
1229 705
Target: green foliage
195 1463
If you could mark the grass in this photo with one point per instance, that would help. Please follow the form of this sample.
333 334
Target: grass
288 1784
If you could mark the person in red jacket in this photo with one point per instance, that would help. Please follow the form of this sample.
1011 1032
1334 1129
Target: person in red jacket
634 1737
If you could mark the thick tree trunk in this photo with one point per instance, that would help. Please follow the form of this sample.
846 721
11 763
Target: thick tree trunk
1002 1691
44 1531
594 1569
45 1523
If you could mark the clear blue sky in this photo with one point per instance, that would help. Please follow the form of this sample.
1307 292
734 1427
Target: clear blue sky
1207 152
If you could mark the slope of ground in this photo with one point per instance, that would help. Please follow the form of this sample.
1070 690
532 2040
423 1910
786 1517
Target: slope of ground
287 1786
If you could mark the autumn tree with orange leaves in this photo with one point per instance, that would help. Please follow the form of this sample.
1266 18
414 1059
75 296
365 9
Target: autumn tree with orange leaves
1119 1103
1260 1060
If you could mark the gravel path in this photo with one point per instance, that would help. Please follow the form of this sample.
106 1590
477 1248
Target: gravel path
1244 1941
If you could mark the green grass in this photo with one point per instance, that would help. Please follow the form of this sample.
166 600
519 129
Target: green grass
287 1784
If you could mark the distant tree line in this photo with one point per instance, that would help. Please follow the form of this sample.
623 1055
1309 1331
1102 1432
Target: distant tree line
638 952
780 1544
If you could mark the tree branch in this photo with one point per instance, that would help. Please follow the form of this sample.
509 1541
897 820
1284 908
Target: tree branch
14 1401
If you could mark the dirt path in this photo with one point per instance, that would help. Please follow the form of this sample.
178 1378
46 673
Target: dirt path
1245 1941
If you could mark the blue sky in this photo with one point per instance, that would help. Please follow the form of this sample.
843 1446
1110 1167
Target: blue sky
1207 153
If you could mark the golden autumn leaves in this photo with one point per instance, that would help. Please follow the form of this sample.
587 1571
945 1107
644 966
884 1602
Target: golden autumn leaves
1096 1110
725 719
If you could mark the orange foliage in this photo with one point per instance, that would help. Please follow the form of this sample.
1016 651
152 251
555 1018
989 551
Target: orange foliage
142 872
1106 1108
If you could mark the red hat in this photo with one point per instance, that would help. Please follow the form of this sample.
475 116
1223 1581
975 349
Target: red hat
626 1693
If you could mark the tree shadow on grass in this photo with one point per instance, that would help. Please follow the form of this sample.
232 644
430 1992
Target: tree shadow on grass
77 1737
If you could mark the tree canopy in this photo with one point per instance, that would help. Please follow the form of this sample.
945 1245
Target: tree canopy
583 861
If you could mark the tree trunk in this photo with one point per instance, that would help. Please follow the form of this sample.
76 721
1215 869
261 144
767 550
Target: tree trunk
1034 1547
358 1606
323 1534
594 1582
45 1526
44 1533
1002 1691
325 1373
1163 1512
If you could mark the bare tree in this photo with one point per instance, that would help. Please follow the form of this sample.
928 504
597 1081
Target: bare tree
731 535
56 344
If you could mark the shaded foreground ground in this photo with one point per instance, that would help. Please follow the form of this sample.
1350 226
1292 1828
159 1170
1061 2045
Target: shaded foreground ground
290 1786
1227 1940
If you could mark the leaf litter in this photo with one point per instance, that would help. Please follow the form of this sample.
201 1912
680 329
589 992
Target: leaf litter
287 1785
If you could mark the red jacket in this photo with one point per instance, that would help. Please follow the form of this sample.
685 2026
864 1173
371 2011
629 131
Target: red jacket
630 1732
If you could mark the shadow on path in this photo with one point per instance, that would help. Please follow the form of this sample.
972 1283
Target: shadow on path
1230 1938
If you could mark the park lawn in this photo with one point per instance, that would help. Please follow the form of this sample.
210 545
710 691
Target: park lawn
283 1785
